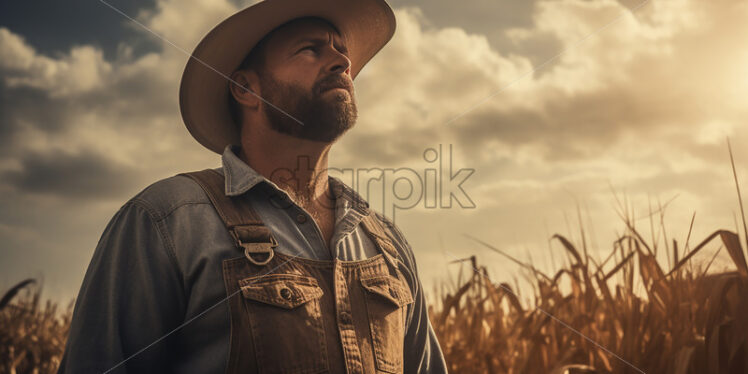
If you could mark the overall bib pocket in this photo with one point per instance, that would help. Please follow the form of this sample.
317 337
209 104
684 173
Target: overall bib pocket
286 324
386 297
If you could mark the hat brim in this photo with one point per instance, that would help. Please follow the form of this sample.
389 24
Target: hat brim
366 25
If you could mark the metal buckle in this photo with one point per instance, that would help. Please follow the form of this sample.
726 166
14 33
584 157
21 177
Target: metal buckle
261 248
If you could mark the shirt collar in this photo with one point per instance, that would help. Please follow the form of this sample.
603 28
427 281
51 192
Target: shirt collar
241 177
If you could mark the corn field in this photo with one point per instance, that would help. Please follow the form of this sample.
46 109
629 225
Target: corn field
32 335
685 322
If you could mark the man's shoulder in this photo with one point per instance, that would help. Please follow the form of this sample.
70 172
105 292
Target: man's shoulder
402 246
386 222
394 232
164 196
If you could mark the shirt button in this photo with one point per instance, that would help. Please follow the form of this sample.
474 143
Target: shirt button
301 218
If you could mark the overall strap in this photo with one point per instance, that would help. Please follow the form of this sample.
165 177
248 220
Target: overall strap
243 223
374 227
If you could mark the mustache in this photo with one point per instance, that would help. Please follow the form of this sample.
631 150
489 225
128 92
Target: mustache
335 81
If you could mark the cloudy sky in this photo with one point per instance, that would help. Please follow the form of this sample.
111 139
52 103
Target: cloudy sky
553 104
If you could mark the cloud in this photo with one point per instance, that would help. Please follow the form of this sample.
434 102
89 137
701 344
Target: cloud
80 176
616 74
81 103
183 25
643 101
82 70
492 19
54 27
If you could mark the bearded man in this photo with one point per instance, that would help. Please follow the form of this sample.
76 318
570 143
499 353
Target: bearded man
266 264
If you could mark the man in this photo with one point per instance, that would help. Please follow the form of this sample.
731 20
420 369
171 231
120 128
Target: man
266 265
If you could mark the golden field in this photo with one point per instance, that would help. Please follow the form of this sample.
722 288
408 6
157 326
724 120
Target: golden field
621 314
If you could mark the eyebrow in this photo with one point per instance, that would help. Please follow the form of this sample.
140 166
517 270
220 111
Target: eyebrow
316 40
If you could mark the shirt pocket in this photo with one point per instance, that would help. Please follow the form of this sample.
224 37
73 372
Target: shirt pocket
286 323
386 297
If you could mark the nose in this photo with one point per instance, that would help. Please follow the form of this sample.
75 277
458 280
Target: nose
340 63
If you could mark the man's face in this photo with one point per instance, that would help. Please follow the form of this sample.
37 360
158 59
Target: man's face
307 75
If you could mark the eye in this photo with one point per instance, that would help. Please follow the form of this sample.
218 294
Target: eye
310 47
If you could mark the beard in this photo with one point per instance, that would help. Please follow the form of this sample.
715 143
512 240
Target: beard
324 116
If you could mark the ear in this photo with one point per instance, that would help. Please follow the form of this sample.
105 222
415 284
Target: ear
245 88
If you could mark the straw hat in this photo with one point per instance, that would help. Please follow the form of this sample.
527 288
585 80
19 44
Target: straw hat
366 25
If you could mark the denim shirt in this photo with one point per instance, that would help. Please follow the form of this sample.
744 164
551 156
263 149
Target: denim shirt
153 297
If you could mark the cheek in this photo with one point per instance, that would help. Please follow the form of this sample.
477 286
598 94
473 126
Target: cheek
300 73
309 81
303 86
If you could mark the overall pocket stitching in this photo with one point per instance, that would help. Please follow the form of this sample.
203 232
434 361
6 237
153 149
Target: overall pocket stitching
265 290
391 288
378 289
270 291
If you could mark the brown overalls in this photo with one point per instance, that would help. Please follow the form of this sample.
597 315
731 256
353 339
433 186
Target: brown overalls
302 316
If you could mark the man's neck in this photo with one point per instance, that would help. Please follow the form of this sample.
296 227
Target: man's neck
297 166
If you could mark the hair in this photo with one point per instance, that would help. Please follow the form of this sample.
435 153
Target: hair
254 60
